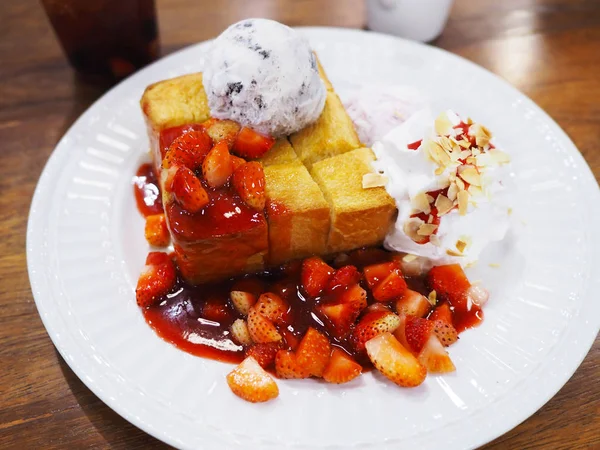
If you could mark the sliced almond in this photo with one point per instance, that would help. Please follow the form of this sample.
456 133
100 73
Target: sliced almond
437 153
439 171
471 160
452 192
432 298
373 180
453 252
409 258
463 202
469 174
421 203
427 229
464 143
475 191
499 157
411 228
443 204
443 126
461 245
445 143
481 133
460 184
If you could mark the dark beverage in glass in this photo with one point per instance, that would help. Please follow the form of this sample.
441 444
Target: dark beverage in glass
105 40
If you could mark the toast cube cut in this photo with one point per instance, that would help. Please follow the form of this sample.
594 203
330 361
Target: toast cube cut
297 213
359 217
332 134
281 153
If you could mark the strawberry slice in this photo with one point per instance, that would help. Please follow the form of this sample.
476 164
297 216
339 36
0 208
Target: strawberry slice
286 365
216 310
435 357
339 317
315 275
290 339
343 278
264 353
313 352
250 144
272 307
390 288
442 312
417 332
355 294
240 333
188 150
371 325
217 167
413 303
261 329
451 284
341 368
376 273
222 130
250 382
156 280
242 301
249 182
394 361
445 332
236 162
188 190
156 231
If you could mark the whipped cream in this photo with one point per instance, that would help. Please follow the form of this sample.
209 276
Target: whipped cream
264 75
376 109
422 157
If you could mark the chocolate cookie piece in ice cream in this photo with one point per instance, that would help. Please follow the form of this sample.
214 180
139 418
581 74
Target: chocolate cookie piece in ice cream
263 75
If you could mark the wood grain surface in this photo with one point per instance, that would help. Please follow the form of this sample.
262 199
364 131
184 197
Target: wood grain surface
549 49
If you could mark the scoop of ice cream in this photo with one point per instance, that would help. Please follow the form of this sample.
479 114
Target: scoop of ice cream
263 75
449 182
377 109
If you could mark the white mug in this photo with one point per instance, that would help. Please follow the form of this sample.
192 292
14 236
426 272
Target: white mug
420 20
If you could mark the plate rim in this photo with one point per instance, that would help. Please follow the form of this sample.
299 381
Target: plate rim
51 167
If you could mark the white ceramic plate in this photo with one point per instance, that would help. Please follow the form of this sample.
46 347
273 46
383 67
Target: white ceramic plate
85 248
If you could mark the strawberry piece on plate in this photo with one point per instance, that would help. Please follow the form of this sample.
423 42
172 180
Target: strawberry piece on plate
236 162
242 301
240 333
442 312
188 150
371 325
250 382
417 332
272 307
313 352
216 310
264 353
445 332
261 329
413 303
435 357
394 361
391 287
286 365
343 277
315 275
450 283
188 190
156 280
339 317
217 167
250 144
249 182
156 231
341 368
376 273
355 294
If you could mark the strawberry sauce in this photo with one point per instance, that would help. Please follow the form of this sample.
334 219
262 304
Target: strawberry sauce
146 191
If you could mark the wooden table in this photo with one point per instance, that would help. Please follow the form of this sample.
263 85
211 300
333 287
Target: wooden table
550 49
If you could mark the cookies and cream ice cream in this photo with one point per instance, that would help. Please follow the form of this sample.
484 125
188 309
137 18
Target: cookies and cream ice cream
448 179
263 75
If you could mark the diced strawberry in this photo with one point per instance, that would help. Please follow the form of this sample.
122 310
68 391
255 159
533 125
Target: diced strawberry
188 190
445 332
242 301
217 167
286 365
417 332
222 130
392 287
394 361
339 317
435 357
313 352
249 182
315 275
450 283
250 144
442 312
188 150
413 303
239 332
400 333
378 307
156 231
341 368
168 135
343 277
216 310
272 307
236 162
156 280
261 329
356 295
371 325
290 339
376 273
250 382
264 353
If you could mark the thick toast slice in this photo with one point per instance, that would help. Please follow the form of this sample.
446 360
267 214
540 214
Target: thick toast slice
359 217
281 153
332 134
297 213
